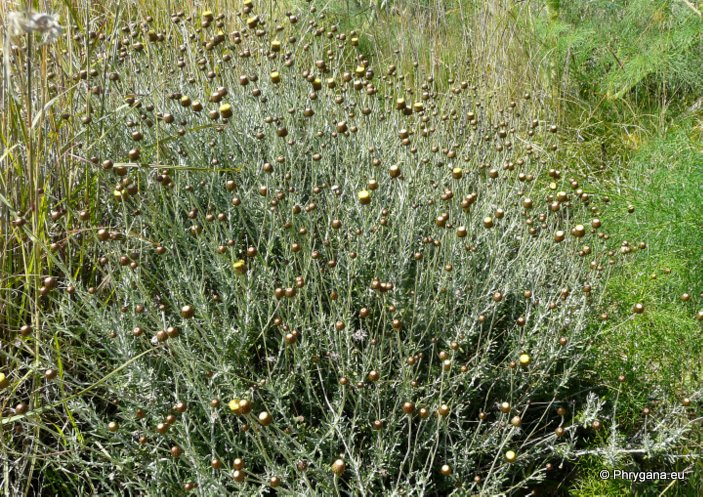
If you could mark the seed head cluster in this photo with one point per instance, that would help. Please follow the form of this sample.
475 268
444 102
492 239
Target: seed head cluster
308 271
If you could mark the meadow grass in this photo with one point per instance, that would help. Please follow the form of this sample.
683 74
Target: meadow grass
657 354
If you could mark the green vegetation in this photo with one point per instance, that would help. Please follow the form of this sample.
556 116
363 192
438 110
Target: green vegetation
659 352
663 184
233 260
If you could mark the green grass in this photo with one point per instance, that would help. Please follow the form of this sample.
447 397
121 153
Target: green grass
591 484
659 351
663 183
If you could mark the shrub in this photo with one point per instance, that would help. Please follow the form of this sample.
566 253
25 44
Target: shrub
267 281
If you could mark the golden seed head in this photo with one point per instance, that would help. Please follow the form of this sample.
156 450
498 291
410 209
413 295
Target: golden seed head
234 406
240 266
265 418
226 110
338 467
525 359
364 197
244 406
578 231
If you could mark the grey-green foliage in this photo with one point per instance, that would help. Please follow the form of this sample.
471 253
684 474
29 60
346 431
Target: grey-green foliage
235 347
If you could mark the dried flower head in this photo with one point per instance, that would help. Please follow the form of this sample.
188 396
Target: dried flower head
47 25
